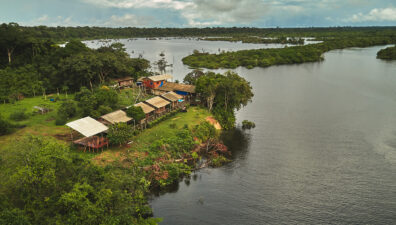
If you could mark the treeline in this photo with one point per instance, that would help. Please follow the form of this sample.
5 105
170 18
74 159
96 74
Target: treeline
31 66
287 55
258 40
387 53
66 33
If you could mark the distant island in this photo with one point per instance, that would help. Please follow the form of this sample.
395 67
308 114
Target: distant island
387 53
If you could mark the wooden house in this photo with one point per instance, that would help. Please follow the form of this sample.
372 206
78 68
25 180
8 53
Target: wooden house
90 129
124 82
118 116
161 105
156 81
185 90
175 99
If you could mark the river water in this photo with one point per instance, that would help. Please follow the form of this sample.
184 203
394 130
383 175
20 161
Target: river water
323 150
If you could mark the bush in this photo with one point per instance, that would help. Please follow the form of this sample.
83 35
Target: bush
19 115
136 113
104 109
246 124
61 120
205 131
67 109
120 133
5 126
95 114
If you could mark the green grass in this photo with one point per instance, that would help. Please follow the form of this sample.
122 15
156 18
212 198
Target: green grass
192 117
36 123
128 96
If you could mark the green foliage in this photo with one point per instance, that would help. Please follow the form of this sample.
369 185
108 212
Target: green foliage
246 124
192 77
226 118
103 109
60 120
136 113
19 115
388 53
107 97
67 109
224 93
43 182
120 133
205 131
5 126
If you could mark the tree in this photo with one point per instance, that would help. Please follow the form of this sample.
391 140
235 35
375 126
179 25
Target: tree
119 133
193 76
136 113
11 37
224 93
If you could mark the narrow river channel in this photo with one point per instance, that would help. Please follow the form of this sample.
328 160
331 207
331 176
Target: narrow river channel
323 150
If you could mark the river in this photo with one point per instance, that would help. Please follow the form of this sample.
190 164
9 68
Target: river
323 150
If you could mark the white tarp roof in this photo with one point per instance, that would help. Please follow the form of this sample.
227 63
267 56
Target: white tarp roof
87 126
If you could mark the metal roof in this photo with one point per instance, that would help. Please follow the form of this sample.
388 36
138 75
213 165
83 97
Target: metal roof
160 77
158 102
118 116
87 126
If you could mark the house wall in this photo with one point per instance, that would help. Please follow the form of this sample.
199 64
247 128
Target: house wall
151 84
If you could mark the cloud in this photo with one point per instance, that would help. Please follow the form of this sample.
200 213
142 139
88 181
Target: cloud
127 4
43 18
375 15
222 12
129 20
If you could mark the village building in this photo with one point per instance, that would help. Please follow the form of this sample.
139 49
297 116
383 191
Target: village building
148 111
156 81
124 82
90 129
177 101
185 90
161 105
118 116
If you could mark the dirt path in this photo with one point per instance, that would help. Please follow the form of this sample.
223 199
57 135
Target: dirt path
214 122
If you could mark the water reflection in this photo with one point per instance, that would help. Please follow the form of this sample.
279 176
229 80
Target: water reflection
237 141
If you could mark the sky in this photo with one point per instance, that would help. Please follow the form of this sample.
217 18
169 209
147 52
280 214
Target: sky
199 13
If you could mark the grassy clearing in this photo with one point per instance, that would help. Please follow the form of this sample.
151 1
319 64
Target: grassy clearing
129 96
36 123
165 129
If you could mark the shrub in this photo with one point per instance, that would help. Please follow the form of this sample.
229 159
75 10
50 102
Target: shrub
19 115
104 109
136 113
120 133
95 114
205 131
5 126
60 120
246 124
67 109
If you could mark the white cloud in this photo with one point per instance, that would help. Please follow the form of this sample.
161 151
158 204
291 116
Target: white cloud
375 15
126 4
43 18
128 20
220 12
